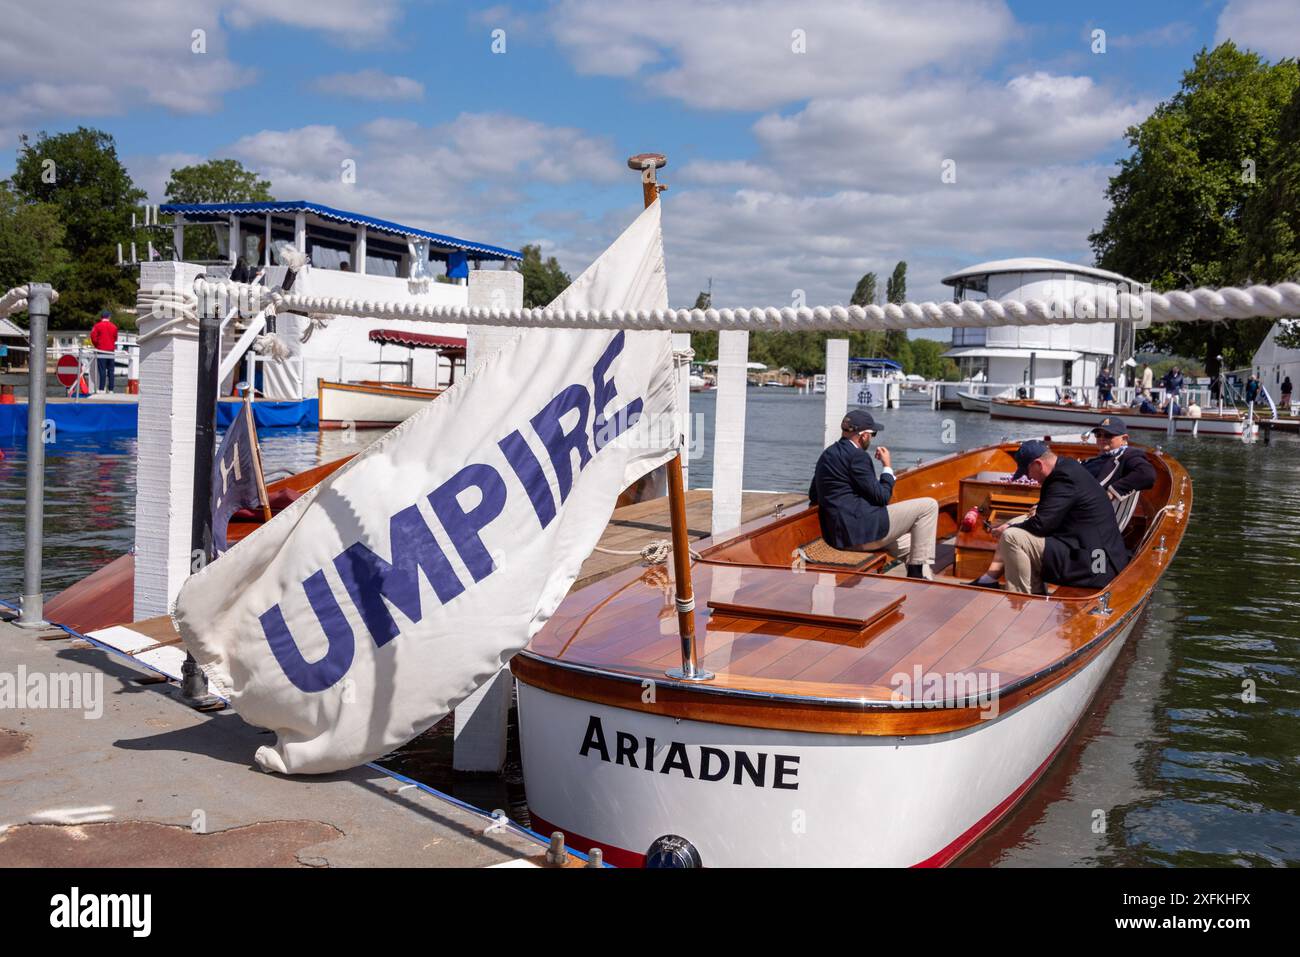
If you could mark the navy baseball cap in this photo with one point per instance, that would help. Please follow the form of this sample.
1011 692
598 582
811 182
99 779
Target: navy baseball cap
1028 451
1111 425
859 420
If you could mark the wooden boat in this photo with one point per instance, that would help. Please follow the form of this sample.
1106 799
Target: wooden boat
852 717
106 597
383 405
369 405
1232 425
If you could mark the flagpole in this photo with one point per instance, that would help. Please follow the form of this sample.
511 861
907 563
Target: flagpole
648 164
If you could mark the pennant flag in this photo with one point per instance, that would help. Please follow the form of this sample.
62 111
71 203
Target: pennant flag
237 480
384 596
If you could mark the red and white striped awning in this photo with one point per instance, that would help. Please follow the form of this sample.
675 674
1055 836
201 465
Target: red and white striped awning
417 340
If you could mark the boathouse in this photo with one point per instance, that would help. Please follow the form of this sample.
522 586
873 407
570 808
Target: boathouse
1043 358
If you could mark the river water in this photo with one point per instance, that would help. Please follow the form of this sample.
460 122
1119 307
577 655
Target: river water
1176 762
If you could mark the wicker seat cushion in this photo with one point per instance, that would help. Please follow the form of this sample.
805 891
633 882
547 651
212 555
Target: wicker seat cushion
821 553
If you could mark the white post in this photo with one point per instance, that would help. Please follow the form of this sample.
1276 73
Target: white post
178 238
682 343
164 448
359 253
837 389
266 241
729 430
489 288
480 733
234 239
300 231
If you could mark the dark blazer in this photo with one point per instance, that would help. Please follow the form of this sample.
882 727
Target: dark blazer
850 499
1135 471
1076 517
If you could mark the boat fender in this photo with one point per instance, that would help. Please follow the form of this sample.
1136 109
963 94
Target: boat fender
970 519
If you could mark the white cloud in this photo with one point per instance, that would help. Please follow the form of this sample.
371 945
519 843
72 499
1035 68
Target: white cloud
100 59
1270 27
345 21
742 56
371 85
469 176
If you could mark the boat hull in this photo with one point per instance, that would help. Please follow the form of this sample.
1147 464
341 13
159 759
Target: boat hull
973 403
1088 417
844 800
369 405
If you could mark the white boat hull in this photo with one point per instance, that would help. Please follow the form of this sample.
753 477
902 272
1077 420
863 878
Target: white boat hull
973 403
348 405
1087 417
856 800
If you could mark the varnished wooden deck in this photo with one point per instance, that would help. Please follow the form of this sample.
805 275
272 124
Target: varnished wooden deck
817 634
632 527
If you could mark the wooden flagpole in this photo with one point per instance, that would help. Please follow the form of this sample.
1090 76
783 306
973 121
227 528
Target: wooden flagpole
257 456
647 164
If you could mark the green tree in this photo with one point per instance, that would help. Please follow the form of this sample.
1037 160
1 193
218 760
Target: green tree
216 181
31 242
79 174
864 293
1177 201
929 363
1271 218
897 345
543 280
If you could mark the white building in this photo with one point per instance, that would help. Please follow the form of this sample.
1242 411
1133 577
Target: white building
1064 356
1274 363
351 256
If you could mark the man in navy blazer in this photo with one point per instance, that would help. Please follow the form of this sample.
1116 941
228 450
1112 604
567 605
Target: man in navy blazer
1120 468
853 504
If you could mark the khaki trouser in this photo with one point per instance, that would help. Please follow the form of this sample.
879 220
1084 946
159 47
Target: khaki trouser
1021 553
912 528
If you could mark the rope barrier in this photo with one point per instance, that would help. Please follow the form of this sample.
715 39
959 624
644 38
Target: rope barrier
1094 305
15 300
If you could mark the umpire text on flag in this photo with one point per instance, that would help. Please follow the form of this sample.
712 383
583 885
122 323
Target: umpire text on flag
383 597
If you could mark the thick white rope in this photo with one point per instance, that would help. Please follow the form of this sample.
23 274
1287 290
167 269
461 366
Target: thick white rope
1103 305
178 308
15 300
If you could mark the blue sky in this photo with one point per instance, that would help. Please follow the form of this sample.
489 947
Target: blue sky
790 169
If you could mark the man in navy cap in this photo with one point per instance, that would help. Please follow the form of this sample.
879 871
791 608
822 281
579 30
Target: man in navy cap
1119 468
1072 537
854 507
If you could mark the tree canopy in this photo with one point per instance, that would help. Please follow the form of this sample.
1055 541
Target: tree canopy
543 280
1179 202
215 181
78 175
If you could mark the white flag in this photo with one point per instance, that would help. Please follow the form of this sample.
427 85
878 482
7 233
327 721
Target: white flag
387 594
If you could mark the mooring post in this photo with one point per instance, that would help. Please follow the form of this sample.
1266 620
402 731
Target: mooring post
194 684
38 317
837 389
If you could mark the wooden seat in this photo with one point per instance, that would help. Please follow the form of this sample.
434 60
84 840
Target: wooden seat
819 552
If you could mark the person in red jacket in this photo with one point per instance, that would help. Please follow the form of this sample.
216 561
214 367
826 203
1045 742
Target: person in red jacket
103 336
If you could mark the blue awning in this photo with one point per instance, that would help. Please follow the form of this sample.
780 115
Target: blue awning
438 241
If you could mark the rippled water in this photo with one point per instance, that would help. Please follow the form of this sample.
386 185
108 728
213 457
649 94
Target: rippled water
1170 767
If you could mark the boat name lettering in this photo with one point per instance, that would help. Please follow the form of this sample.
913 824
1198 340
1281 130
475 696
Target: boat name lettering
698 762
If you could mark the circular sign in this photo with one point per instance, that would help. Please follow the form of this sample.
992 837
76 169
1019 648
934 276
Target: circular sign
66 370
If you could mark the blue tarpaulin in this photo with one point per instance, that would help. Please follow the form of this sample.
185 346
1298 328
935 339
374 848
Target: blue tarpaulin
85 418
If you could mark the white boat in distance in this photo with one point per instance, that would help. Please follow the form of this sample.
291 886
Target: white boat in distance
971 402
1232 425
383 405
